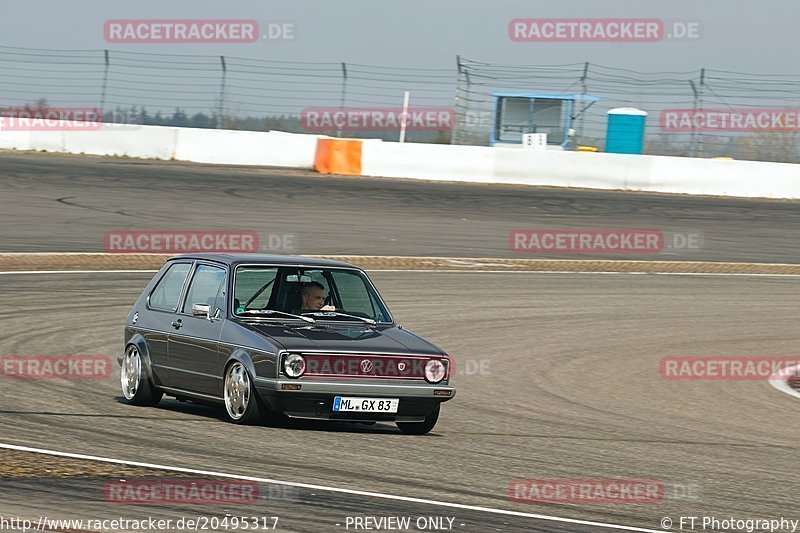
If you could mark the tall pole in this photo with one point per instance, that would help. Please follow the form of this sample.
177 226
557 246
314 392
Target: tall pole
221 108
468 99
701 148
457 120
404 120
103 91
344 94
584 92
693 149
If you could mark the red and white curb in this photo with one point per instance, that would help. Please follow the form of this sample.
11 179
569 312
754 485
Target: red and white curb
781 380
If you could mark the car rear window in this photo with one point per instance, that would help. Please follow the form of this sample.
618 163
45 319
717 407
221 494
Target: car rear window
168 290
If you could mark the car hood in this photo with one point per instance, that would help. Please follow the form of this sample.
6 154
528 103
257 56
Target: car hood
336 338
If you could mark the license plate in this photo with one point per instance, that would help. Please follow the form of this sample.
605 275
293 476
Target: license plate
343 404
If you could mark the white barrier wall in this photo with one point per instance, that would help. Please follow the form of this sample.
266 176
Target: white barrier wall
429 161
572 169
502 165
15 140
724 178
185 144
227 147
582 169
149 142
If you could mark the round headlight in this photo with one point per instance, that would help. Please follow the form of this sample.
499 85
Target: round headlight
294 365
435 371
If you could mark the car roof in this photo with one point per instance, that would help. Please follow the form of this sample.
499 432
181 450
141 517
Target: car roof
282 260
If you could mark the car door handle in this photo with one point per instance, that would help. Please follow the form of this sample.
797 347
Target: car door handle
177 324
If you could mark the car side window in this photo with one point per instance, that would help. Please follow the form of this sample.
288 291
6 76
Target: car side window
207 287
167 292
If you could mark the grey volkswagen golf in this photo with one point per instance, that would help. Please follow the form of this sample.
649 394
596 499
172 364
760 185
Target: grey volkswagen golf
272 336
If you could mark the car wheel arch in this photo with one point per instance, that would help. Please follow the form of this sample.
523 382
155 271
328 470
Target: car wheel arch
243 357
141 344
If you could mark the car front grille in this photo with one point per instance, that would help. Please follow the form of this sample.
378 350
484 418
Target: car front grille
366 366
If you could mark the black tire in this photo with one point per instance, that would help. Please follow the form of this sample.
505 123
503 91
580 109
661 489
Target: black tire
137 387
242 403
420 428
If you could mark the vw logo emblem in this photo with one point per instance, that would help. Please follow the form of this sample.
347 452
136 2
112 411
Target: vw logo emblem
401 366
366 366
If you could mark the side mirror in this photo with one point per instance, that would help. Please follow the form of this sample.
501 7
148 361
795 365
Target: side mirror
203 310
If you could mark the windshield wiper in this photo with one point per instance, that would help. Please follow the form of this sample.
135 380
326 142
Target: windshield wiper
336 313
274 312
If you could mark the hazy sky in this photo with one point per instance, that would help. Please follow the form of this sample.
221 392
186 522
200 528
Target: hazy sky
737 34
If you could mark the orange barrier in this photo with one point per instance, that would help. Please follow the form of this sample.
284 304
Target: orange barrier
338 156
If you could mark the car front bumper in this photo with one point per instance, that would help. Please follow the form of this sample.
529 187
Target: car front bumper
314 400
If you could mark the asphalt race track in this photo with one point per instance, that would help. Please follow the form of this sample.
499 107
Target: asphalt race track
66 203
558 373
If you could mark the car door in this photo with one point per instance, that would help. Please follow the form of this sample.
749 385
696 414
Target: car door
195 362
155 324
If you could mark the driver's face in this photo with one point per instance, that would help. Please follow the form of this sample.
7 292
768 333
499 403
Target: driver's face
314 299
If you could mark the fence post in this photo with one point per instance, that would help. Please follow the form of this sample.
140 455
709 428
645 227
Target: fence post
693 138
221 108
344 94
466 96
700 147
456 103
584 92
103 91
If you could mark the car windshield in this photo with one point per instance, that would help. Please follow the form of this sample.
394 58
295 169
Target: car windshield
324 294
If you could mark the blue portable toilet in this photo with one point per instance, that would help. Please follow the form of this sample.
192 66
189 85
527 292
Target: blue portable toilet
625 131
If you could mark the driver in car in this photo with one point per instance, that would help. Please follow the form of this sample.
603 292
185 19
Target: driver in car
312 297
